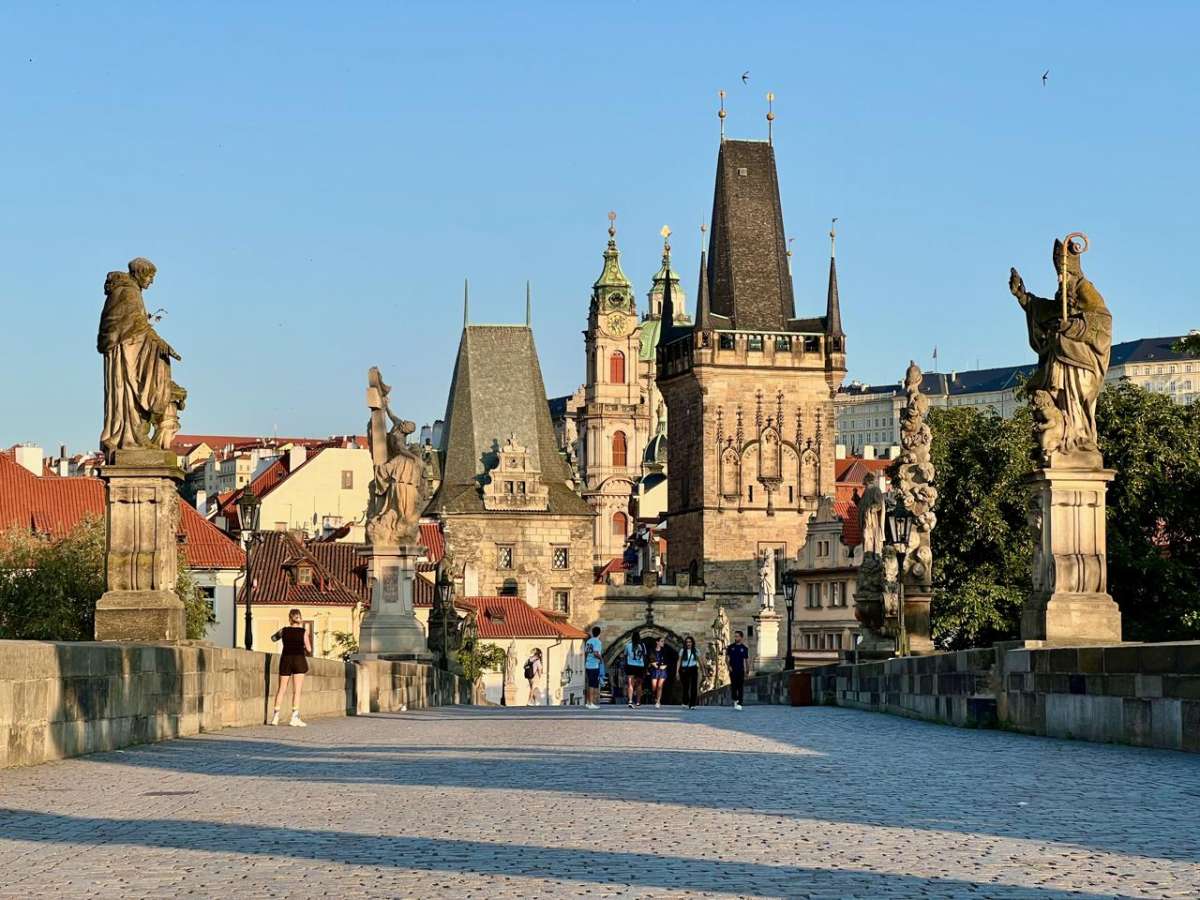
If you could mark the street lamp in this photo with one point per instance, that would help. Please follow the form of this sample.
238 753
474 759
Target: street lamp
900 522
789 600
249 509
445 595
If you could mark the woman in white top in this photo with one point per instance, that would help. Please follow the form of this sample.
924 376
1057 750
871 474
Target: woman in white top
687 670
533 674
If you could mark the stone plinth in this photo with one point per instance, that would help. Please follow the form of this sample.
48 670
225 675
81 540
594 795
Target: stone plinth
390 628
766 642
1070 603
917 626
141 549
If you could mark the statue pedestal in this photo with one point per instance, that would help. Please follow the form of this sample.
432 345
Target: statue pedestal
766 642
917 627
390 628
141 549
1070 601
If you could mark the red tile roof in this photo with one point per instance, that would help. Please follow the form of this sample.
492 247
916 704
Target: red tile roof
616 564
339 575
847 511
54 505
512 617
852 469
432 541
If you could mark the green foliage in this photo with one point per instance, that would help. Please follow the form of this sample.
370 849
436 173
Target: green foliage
345 644
1189 343
982 547
1153 513
49 589
475 658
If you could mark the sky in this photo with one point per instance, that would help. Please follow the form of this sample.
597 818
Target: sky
314 181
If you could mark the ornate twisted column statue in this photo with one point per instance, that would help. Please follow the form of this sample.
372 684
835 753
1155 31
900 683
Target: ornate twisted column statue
1072 336
390 629
141 472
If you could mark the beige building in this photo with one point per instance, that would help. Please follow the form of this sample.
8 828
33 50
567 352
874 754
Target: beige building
512 522
868 416
826 574
749 390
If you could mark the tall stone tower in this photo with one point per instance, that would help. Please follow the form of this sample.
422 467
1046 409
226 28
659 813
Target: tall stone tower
749 391
614 421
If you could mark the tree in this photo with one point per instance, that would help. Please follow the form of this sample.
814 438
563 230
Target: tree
1189 343
345 644
475 658
1153 515
49 588
982 547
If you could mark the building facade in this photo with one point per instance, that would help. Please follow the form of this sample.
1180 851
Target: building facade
749 391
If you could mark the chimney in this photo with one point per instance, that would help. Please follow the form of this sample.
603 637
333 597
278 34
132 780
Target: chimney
29 456
296 457
839 451
868 451
893 452
202 501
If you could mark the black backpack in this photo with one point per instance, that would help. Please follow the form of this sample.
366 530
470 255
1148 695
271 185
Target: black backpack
529 668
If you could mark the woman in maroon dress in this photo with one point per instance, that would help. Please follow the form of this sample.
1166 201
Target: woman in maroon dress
293 664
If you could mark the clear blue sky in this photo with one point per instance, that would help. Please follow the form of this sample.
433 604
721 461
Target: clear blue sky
314 181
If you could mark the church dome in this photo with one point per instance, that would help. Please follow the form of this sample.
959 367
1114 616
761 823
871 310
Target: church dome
656 450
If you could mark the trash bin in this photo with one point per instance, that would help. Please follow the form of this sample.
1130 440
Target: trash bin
800 689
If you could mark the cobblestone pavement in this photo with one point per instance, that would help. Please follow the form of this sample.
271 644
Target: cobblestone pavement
462 802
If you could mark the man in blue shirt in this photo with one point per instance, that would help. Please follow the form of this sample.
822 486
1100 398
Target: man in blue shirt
592 658
738 655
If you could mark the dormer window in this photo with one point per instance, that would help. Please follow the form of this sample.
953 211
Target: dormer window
304 575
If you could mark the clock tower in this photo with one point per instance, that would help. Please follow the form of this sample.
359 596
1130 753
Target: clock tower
614 420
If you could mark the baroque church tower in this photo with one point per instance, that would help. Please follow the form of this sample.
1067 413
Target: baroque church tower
614 423
749 389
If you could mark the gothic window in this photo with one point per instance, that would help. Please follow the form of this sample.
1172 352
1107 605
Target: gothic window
769 455
616 367
620 524
808 475
618 449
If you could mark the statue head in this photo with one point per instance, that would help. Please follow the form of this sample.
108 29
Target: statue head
143 271
912 376
1067 255
1042 400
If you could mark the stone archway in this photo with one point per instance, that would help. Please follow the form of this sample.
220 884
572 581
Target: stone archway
649 634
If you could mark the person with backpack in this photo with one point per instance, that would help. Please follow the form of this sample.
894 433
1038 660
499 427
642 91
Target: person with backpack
593 659
658 670
533 674
687 670
635 669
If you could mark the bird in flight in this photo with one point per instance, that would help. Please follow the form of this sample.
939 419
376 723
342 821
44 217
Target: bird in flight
746 77
1045 76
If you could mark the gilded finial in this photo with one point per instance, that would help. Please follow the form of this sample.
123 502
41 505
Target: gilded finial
833 237
770 113
612 224
721 112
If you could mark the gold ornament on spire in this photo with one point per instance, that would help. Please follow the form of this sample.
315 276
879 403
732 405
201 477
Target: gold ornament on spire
721 112
770 114
612 223
666 236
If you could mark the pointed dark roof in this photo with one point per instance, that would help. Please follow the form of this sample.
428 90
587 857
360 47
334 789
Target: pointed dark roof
833 309
497 391
703 302
747 253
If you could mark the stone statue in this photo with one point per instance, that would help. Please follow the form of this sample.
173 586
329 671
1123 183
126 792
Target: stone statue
871 516
766 580
1072 336
395 491
139 394
722 635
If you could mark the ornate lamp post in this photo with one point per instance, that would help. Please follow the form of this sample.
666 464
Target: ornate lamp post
445 597
789 600
900 524
249 509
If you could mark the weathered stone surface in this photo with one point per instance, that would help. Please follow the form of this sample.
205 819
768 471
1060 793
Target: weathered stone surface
390 627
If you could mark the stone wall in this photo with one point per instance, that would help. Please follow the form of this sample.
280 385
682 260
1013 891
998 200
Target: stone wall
66 699
1142 694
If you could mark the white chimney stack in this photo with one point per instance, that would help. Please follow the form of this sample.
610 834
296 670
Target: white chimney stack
296 457
29 456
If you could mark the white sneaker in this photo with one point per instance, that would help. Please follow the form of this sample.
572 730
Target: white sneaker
592 706
296 722
275 718
737 706
657 705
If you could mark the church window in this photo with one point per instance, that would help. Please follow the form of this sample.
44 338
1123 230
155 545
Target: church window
562 558
620 524
750 492
616 367
618 449
504 556
562 602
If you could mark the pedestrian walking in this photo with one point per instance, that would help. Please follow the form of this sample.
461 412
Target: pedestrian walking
593 654
635 669
738 655
533 674
687 670
293 664
658 670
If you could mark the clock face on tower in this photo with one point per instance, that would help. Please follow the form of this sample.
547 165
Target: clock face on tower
615 324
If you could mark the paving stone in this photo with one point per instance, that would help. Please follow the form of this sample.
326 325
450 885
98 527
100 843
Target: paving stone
465 802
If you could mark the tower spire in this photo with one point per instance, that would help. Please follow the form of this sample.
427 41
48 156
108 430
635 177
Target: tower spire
668 303
770 114
833 309
465 304
721 112
528 306
703 319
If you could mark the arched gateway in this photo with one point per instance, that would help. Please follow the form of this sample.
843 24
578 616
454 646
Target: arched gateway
614 661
